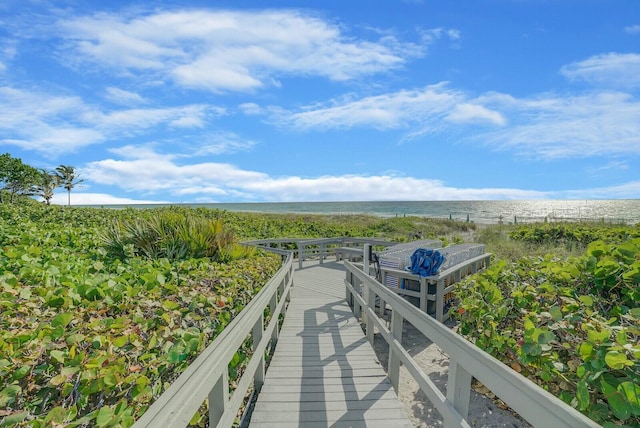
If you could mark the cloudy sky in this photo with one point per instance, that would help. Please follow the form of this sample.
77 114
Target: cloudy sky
333 100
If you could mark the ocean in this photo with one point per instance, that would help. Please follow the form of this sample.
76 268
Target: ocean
484 212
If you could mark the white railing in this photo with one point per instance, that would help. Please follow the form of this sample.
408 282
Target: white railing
438 288
207 376
467 361
319 248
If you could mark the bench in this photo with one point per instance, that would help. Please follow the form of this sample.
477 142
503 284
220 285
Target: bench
433 294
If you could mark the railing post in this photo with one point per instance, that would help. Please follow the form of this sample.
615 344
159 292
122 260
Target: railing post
365 258
322 250
458 388
357 309
258 329
347 293
370 298
394 359
440 300
301 253
219 398
424 290
273 304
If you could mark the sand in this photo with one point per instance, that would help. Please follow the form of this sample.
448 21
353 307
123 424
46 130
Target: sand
483 411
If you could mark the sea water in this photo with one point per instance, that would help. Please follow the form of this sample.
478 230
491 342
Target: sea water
487 212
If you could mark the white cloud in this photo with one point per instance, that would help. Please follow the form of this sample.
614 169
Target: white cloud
632 29
82 198
408 108
430 35
120 96
473 113
553 126
628 190
45 123
251 109
229 50
148 172
218 143
55 124
611 69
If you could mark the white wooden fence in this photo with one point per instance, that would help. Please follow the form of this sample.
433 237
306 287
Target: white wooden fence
305 249
207 376
467 361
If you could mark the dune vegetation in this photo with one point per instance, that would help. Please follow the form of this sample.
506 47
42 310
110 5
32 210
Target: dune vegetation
102 308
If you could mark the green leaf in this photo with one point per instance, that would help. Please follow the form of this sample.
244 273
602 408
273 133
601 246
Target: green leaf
619 406
585 349
58 380
56 415
170 305
582 394
58 356
617 360
546 337
110 378
586 300
21 372
8 394
595 336
121 341
14 419
556 313
62 320
104 417
631 391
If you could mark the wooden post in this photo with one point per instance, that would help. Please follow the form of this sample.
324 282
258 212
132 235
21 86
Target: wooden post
258 329
458 388
357 309
301 251
394 359
440 300
219 398
370 297
365 258
424 290
273 304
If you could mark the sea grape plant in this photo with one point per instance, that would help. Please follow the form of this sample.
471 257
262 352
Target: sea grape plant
572 326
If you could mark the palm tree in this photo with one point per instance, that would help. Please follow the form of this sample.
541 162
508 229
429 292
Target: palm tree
49 182
68 178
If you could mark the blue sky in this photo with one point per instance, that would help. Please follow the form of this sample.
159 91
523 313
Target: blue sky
252 101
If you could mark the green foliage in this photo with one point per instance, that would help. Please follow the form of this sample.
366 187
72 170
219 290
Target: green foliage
17 177
172 235
68 178
89 340
569 324
572 234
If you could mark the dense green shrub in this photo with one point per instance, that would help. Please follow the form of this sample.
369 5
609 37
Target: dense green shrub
571 325
573 233
90 339
172 235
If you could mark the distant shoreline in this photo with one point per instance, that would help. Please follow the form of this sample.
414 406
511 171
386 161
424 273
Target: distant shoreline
626 211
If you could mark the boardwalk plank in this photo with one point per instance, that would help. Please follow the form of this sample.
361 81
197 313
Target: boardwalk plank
324 372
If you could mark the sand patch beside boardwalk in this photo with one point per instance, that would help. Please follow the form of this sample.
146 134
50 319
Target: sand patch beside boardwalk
483 412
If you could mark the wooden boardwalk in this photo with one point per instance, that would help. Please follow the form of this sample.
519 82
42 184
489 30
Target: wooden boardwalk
324 372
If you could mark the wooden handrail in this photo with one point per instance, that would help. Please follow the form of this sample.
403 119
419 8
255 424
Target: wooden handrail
467 361
316 247
207 376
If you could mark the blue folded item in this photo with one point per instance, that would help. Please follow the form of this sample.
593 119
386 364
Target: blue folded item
426 262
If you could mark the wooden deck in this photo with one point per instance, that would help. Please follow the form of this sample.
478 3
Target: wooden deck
324 372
